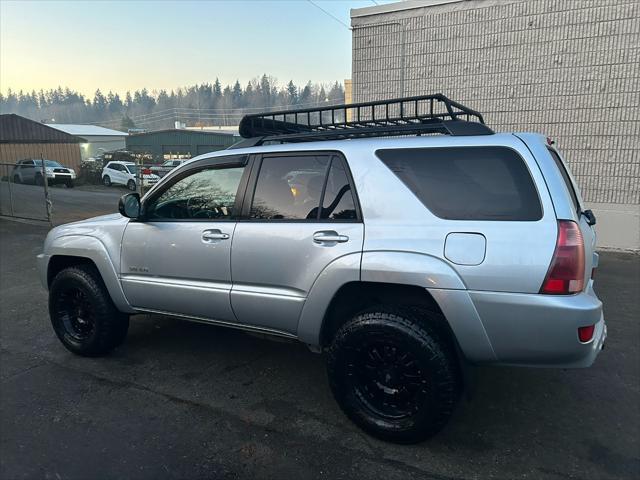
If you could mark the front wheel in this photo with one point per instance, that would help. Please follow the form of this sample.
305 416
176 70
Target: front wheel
82 314
131 185
106 181
70 183
392 376
39 181
16 179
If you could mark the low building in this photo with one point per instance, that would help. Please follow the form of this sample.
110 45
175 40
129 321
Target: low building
21 138
164 145
96 139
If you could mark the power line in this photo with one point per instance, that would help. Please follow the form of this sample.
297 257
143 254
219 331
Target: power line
329 14
190 113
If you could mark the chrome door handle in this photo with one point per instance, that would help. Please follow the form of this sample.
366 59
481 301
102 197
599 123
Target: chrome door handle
329 237
213 235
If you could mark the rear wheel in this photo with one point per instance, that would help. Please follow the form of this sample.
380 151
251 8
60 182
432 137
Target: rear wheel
16 179
106 181
393 376
82 314
131 185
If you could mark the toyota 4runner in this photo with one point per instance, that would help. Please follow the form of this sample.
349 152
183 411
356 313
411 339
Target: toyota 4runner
400 258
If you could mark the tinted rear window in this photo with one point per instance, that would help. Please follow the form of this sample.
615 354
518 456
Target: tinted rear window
468 183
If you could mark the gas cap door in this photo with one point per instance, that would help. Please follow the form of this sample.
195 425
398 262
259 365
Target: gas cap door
465 248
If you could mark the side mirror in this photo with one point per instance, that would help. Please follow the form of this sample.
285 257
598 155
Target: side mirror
129 205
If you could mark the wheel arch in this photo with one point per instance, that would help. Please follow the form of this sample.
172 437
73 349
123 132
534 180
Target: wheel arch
72 250
396 278
353 297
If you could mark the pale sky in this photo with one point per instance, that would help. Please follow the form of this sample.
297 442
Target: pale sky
123 45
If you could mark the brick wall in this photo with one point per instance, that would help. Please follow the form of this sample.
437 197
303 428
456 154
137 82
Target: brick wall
566 68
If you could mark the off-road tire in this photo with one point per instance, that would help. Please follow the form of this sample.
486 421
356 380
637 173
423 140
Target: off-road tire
108 325
407 330
106 181
131 185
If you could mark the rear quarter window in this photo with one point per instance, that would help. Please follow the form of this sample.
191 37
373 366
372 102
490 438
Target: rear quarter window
467 183
567 180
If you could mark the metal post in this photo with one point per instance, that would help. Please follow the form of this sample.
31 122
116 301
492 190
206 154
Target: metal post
45 182
140 178
9 179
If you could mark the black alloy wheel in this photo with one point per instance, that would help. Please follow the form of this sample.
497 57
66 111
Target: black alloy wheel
394 375
75 311
82 313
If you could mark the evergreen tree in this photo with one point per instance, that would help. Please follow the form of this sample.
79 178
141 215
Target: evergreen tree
292 93
126 123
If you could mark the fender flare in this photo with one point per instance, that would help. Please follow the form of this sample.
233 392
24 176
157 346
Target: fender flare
403 268
92 248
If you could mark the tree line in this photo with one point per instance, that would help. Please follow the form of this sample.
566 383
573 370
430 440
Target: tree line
206 104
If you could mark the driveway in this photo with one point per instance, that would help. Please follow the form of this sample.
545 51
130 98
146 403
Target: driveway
187 400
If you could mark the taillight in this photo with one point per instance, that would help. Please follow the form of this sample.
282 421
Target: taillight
566 273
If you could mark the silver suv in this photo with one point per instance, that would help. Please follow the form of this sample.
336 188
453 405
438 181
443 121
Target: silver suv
401 259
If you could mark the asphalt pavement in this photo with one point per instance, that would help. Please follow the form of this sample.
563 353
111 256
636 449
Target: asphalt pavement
186 400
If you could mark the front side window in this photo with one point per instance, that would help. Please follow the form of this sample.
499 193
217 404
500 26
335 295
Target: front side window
467 183
204 194
289 187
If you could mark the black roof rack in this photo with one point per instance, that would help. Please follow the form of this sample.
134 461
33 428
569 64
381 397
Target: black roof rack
400 116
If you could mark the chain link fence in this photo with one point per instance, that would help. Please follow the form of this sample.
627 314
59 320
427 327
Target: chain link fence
23 192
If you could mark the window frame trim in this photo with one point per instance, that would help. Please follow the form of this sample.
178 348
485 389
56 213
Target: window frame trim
253 182
215 163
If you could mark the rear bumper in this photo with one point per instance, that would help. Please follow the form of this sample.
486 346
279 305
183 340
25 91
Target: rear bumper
541 330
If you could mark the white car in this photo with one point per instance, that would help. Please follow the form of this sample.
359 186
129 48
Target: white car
126 173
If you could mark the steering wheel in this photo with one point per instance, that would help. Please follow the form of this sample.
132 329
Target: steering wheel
193 206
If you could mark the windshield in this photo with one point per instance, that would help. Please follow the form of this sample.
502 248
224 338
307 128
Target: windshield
132 169
47 163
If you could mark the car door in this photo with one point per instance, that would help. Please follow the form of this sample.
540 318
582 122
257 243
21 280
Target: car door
177 260
114 173
285 240
28 171
123 174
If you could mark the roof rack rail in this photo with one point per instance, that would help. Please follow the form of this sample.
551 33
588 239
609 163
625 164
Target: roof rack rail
400 116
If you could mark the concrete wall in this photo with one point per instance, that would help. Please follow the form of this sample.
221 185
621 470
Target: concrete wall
568 69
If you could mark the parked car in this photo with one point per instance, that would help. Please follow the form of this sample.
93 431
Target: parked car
30 171
166 167
126 173
416 256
